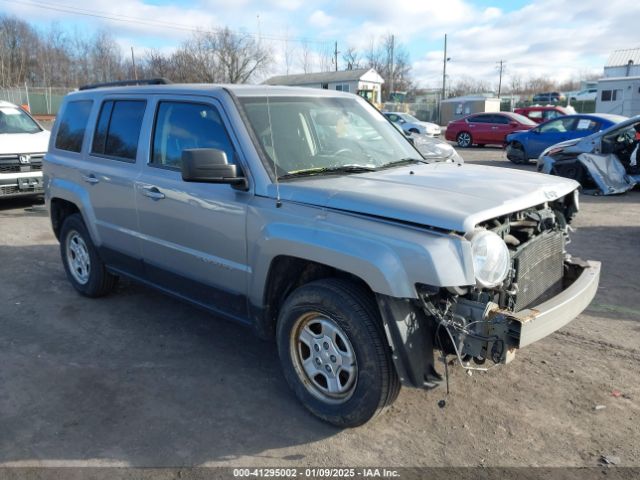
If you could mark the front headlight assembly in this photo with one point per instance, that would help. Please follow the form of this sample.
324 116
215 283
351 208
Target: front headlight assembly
491 259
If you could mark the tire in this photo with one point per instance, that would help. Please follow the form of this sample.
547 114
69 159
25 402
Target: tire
464 140
322 326
85 270
572 169
517 154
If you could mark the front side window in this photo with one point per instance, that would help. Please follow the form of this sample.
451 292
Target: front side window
118 129
73 125
14 120
307 134
182 126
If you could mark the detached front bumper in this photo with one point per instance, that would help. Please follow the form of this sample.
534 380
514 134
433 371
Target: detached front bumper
498 333
478 330
544 319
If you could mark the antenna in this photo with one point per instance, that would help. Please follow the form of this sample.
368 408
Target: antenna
275 155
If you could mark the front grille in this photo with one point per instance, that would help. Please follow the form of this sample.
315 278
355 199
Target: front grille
11 163
539 265
34 167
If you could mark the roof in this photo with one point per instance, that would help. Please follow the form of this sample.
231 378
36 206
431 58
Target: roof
321 77
620 58
236 89
617 79
7 104
471 98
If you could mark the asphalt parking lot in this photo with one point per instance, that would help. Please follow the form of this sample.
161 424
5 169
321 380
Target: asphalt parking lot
140 379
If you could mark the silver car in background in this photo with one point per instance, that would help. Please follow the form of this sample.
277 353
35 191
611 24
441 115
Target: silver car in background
411 124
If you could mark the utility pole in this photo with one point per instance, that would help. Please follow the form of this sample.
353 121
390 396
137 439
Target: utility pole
391 75
444 79
501 67
335 54
133 62
444 70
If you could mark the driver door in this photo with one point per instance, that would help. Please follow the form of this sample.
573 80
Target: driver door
193 234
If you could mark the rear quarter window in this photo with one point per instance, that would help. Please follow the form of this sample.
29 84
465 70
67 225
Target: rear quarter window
73 125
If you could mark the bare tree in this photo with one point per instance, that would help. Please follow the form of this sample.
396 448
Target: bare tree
305 57
352 58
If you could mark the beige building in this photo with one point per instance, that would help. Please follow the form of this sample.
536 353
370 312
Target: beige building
366 82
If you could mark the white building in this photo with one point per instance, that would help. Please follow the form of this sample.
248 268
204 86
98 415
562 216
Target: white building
620 96
623 63
364 81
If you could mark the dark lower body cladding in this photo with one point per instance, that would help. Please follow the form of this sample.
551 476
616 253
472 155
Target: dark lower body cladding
480 330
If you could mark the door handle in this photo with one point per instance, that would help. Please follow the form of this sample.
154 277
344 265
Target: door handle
91 178
152 192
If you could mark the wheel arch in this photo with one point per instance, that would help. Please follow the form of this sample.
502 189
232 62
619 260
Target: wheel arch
65 198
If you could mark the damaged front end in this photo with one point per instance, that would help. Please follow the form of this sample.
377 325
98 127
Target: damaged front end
545 288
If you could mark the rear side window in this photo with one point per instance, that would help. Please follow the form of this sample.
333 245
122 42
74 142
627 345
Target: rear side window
118 129
501 119
73 125
181 126
482 119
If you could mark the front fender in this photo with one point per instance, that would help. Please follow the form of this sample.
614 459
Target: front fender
390 258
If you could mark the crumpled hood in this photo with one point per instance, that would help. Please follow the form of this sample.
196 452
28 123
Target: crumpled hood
442 195
16 143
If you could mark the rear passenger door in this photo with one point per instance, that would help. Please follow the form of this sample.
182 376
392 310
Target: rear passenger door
193 234
480 127
109 173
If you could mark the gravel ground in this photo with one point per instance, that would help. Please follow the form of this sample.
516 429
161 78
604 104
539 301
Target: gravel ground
140 379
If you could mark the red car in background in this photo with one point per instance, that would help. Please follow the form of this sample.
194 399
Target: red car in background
541 114
486 128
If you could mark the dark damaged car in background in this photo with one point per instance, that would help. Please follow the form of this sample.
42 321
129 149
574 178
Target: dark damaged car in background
604 163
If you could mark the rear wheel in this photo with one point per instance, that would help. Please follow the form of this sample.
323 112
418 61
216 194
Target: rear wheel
85 270
464 140
334 353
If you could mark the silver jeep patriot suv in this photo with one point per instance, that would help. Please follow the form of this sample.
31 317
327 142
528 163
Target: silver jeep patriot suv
305 214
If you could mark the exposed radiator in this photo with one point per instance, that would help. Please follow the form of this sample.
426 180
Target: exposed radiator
539 265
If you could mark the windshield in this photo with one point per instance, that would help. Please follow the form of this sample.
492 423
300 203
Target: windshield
410 118
324 134
14 120
522 119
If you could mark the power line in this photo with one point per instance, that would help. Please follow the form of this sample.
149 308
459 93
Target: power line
153 23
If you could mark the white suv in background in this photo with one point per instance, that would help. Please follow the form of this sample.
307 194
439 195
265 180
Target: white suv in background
23 143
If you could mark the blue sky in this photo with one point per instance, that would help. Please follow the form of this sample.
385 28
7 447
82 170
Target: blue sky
557 38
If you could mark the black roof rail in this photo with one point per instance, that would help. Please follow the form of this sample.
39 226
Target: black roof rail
124 83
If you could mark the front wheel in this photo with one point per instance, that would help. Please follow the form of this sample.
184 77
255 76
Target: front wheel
516 153
464 140
334 353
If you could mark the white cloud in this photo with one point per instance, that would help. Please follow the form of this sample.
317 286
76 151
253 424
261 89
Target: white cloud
320 19
555 38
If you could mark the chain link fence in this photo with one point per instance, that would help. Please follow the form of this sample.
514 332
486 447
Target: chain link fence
39 100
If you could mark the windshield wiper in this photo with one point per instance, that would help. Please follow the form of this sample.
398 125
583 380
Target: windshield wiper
327 170
403 161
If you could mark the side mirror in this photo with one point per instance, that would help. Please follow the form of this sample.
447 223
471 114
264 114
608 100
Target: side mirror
514 124
209 165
